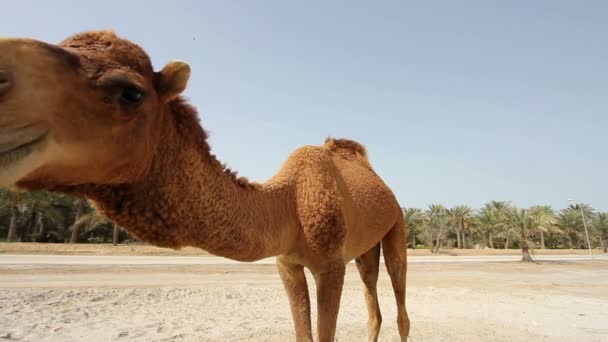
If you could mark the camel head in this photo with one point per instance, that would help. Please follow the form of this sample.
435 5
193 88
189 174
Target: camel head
86 111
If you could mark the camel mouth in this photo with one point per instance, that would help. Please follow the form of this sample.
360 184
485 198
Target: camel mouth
13 152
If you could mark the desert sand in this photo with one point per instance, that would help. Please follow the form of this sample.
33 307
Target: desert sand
549 301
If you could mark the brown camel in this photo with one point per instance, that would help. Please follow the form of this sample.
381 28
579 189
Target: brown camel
91 118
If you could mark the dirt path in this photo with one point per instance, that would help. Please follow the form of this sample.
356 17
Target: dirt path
554 301
130 260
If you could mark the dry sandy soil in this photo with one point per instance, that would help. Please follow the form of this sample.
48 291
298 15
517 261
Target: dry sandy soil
552 301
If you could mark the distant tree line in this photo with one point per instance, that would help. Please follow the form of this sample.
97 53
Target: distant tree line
47 217
500 224
40 216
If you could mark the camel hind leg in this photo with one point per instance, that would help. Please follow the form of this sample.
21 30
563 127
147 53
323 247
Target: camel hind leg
368 266
395 257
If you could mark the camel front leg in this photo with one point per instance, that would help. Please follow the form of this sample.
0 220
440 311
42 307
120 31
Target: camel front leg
296 287
329 280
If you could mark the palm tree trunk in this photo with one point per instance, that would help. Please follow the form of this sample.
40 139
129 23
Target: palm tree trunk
490 240
29 228
437 244
525 252
40 236
507 243
40 223
464 240
76 228
604 244
12 227
75 233
542 240
413 240
39 226
458 238
115 235
570 242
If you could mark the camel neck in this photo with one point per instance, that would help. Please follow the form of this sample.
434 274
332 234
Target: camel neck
188 199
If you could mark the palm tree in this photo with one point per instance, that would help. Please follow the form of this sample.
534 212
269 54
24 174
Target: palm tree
569 220
587 213
544 220
523 223
115 234
32 212
600 225
10 203
90 222
494 217
437 224
415 220
508 233
488 221
46 217
503 210
80 206
461 218
475 232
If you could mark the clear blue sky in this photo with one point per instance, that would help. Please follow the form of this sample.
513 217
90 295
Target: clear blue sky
458 102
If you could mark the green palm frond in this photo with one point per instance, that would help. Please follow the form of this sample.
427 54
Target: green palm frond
90 221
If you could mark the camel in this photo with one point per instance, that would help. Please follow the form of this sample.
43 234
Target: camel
91 118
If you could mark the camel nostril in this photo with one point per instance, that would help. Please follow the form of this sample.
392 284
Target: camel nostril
5 82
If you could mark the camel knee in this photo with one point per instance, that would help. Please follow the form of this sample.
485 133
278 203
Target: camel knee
396 268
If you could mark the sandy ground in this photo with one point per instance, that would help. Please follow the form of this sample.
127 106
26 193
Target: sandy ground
550 301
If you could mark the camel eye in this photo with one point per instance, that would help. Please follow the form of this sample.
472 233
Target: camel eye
131 96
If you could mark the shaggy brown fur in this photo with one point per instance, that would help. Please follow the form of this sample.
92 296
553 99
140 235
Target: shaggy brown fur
103 50
148 167
348 149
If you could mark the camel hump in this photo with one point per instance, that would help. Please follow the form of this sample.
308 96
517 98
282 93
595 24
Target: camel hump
345 145
348 149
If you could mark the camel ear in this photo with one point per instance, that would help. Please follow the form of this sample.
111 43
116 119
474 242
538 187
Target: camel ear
173 80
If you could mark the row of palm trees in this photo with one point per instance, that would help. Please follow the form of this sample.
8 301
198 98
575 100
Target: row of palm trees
46 217
40 216
500 224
